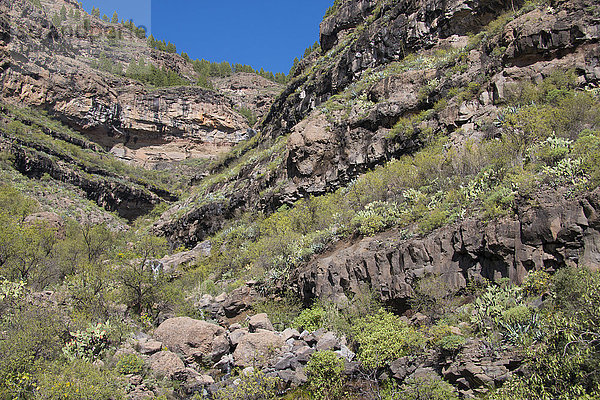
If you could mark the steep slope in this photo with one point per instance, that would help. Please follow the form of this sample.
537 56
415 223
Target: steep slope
390 75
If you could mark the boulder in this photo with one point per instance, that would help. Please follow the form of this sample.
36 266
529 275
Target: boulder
260 321
148 346
257 348
194 381
196 340
290 333
236 336
238 301
166 363
328 342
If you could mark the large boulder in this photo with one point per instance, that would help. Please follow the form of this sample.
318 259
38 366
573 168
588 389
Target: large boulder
196 340
257 348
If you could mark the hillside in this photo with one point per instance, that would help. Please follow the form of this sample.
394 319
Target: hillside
412 214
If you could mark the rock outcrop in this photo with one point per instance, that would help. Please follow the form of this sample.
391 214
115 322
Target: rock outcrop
554 233
83 85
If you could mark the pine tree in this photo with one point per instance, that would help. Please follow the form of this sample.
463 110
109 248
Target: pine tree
171 48
96 12
151 41
105 18
294 66
63 13
115 18
225 69
140 32
86 24
77 15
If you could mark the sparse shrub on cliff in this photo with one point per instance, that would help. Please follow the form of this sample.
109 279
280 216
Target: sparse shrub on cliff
333 9
376 217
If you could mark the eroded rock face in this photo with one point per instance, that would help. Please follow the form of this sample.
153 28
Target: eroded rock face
249 91
194 339
559 232
50 67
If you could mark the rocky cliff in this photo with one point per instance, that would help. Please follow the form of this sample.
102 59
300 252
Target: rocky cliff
446 67
555 233
83 85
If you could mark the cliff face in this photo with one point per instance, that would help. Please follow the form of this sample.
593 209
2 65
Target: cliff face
381 62
556 233
51 67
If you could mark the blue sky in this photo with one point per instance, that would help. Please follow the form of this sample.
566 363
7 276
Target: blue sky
264 33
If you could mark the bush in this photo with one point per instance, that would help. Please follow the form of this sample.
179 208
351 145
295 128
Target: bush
451 343
536 283
383 337
282 313
252 386
517 315
310 319
130 364
376 217
325 371
432 296
30 336
427 388
78 380
565 364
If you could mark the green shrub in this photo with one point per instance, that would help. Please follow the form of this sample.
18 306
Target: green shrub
383 337
376 217
517 315
130 364
325 371
451 343
536 283
310 319
433 219
30 336
78 380
499 202
587 149
427 388
252 386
